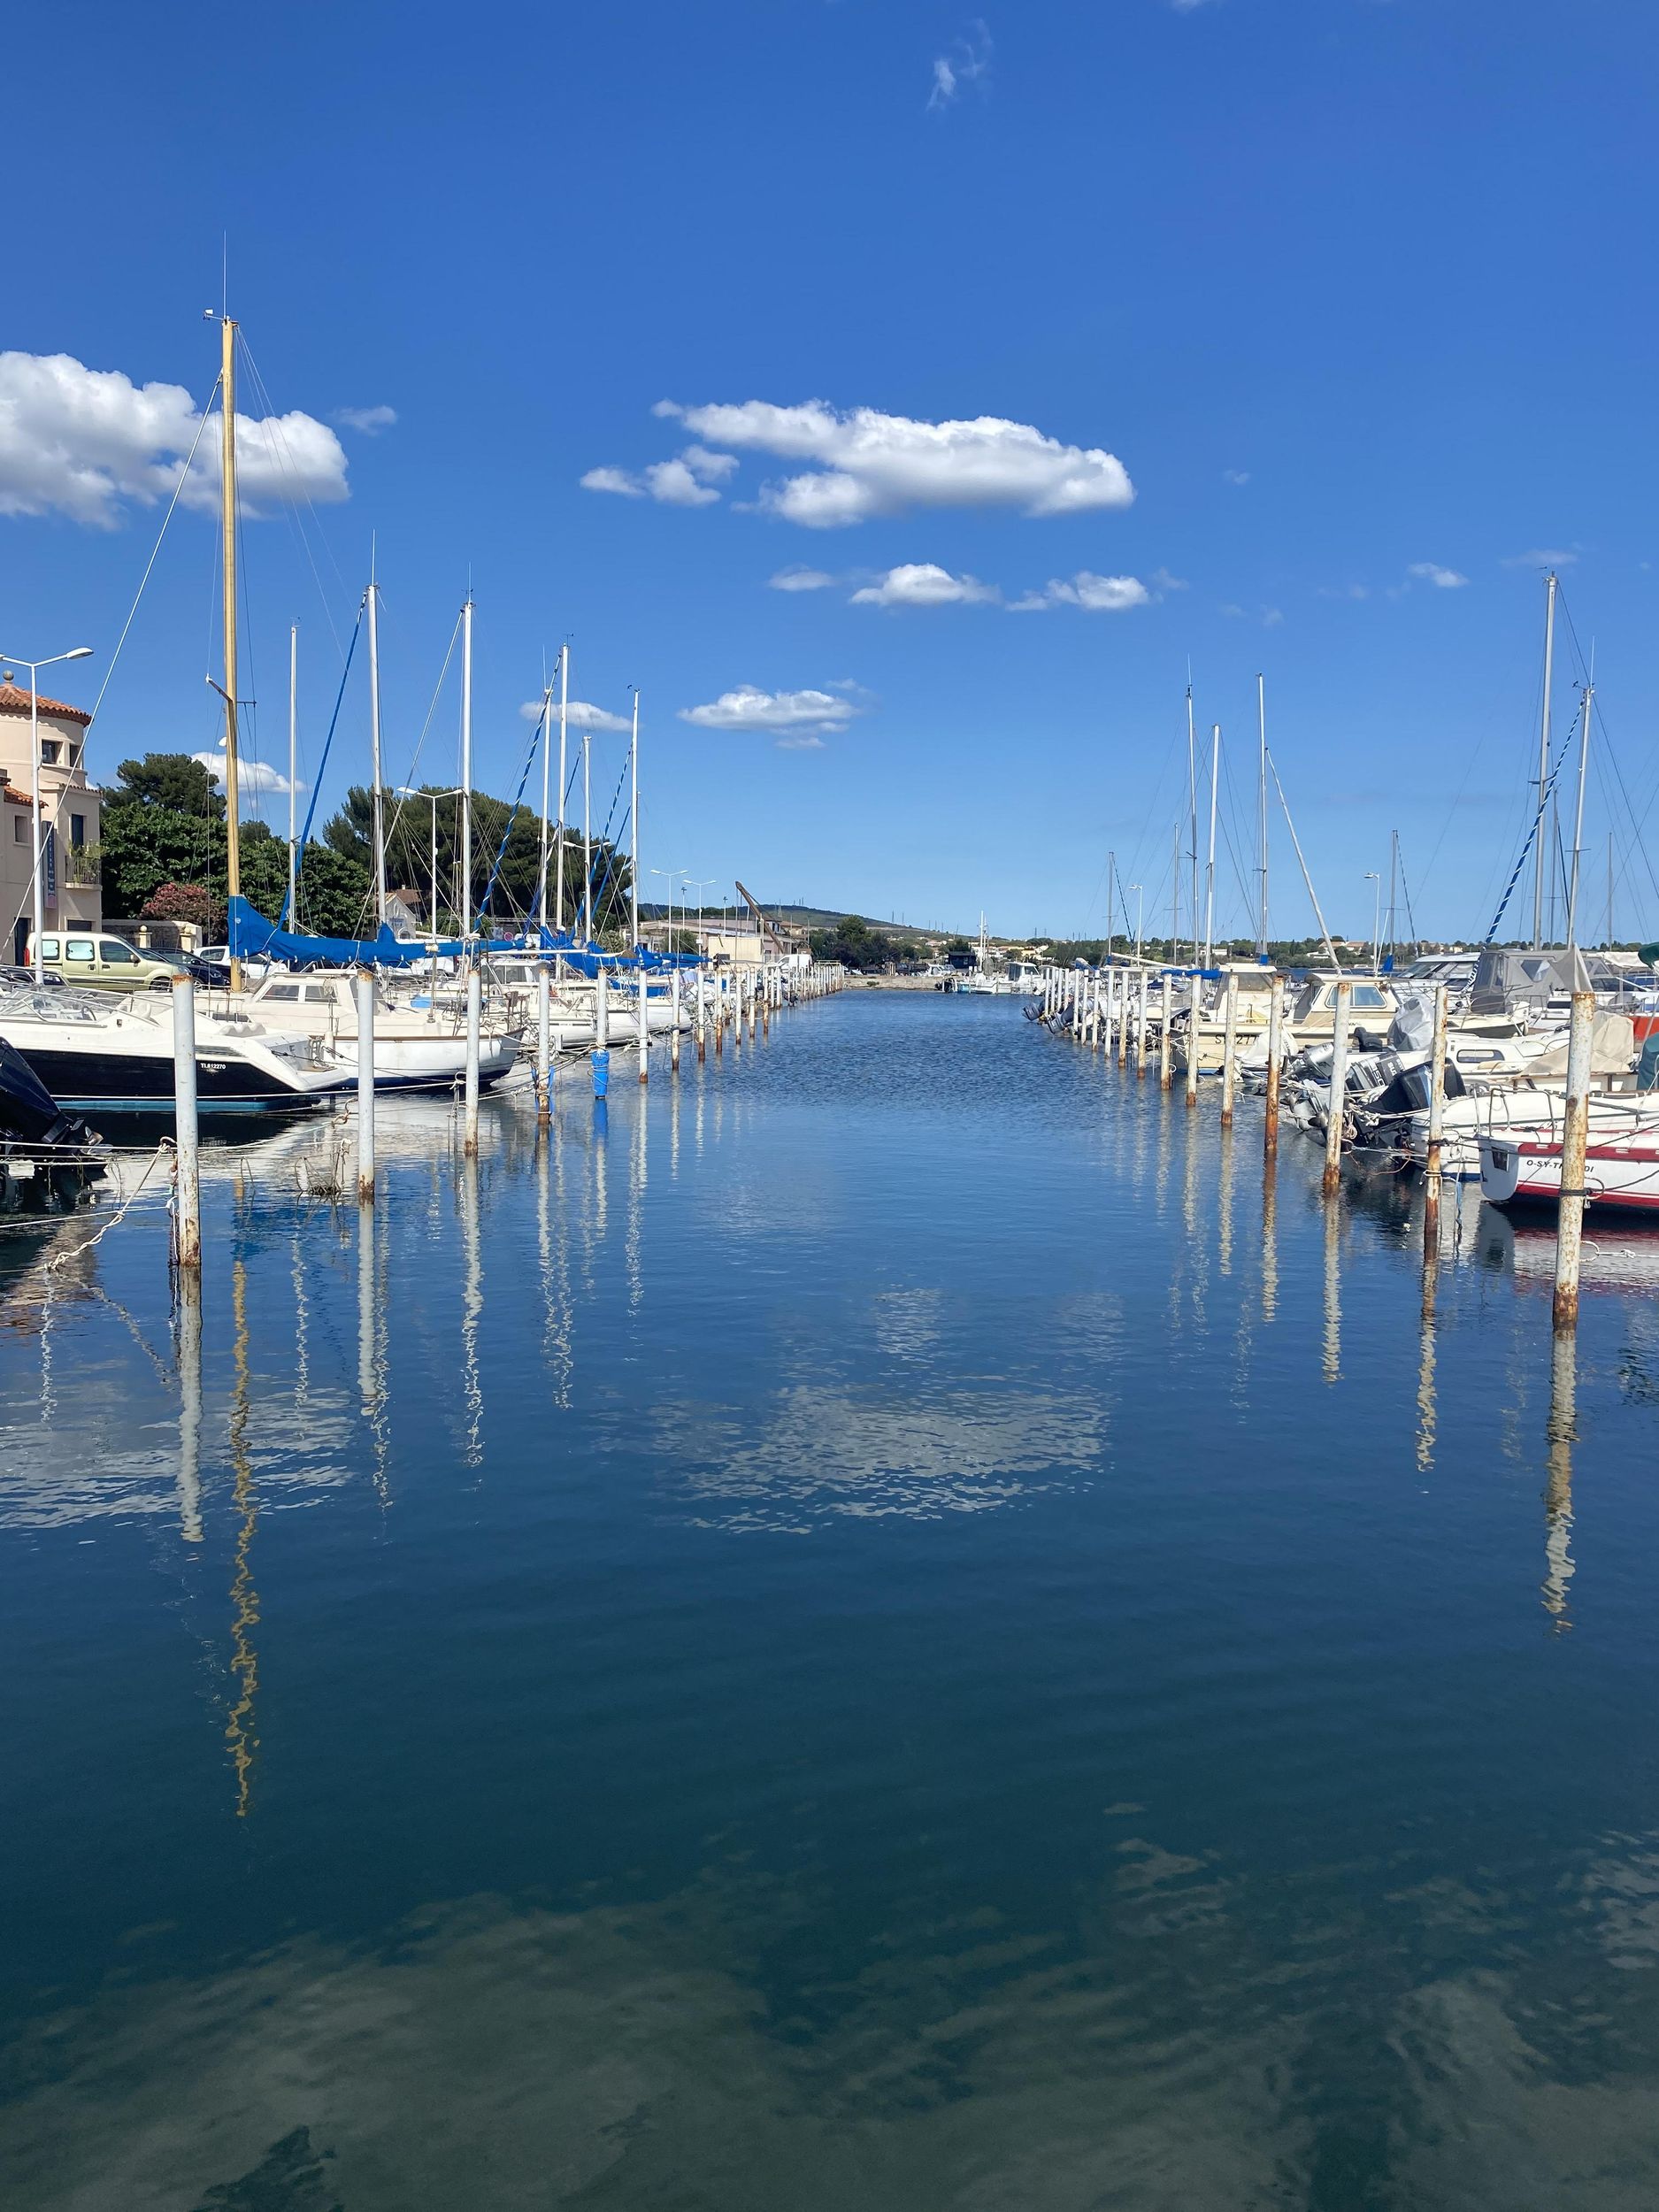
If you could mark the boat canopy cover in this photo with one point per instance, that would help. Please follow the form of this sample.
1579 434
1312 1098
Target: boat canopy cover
252 937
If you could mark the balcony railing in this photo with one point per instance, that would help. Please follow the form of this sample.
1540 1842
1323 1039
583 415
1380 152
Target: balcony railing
81 864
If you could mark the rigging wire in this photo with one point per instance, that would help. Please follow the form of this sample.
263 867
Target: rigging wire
154 552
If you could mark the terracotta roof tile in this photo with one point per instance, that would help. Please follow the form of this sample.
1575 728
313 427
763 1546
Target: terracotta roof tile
15 700
15 797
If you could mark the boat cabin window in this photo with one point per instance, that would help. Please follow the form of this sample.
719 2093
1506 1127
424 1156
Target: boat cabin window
1367 995
287 992
1476 1056
113 953
78 948
319 994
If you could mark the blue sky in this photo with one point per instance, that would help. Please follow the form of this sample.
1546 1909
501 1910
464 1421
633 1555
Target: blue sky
1350 291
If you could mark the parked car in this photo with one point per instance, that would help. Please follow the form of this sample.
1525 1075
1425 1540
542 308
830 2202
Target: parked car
253 971
93 961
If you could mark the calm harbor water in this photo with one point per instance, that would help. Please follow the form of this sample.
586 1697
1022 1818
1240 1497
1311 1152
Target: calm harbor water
867 1631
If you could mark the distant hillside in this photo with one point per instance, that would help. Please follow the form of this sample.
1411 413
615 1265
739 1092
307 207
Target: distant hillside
823 918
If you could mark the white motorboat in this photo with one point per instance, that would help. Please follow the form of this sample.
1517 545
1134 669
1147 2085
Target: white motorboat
1521 1164
94 1051
416 1048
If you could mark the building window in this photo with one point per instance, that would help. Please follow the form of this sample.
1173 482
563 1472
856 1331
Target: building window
77 832
19 830
49 749
74 755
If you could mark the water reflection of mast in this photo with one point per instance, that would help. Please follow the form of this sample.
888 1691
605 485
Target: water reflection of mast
244 1660
1270 1240
301 1327
1562 1432
1426 1412
555 1298
190 1358
636 1208
472 1308
370 1344
1226 1201
1332 1292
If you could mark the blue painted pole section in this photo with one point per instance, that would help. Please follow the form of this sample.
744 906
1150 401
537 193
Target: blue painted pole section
601 1063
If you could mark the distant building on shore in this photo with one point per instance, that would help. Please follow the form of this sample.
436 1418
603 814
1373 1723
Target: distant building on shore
69 820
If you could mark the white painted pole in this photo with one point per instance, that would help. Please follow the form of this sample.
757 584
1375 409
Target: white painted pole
1163 1040
645 1026
1275 1055
187 1171
366 1087
1229 1050
1194 1009
1143 985
1437 1122
1338 1092
543 1045
1574 1154
676 1010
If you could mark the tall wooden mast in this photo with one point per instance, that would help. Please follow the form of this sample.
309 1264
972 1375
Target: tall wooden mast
227 516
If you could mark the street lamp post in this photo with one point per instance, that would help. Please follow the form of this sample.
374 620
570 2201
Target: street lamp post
409 791
75 653
1373 876
671 876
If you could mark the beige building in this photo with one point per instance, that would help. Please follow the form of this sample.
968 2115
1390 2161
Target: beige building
69 811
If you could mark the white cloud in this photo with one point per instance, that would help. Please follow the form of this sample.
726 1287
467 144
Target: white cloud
1443 578
868 463
1162 581
1235 476
924 584
254 778
84 442
1272 618
1545 557
785 712
618 480
673 483
799 579
1187 7
686 482
370 420
579 714
807 744
1097 595
968 62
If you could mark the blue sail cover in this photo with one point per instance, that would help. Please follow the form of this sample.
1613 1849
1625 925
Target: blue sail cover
253 938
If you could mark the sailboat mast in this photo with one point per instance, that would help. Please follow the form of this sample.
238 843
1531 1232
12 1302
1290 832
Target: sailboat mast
1393 878
1261 717
1112 894
564 709
634 816
1543 761
1191 815
547 774
1209 865
1578 826
227 521
1175 895
292 914
378 826
587 838
465 886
